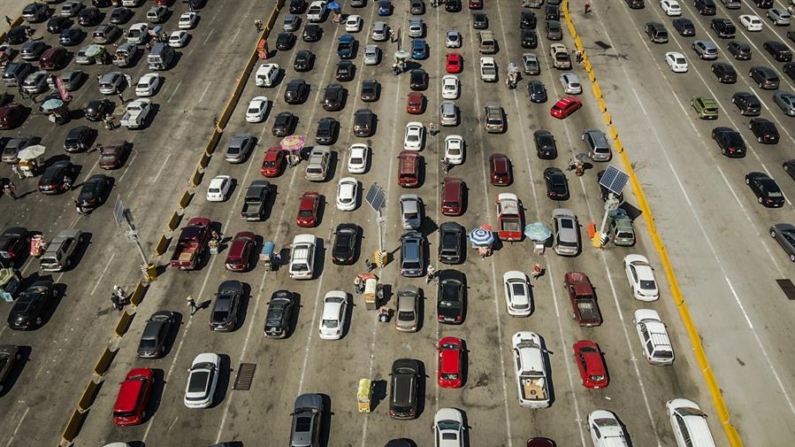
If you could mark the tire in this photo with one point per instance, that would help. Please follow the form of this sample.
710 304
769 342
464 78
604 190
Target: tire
759 140
760 86
773 235
786 167
38 321
723 151
747 181
759 199
792 258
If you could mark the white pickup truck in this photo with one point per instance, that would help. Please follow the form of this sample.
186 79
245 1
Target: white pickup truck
136 113
316 11
488 69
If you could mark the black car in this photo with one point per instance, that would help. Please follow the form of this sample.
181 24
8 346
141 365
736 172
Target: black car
35 12
724 28
557 185
346 239
766 189
94 192
705 7
418 80
89 16
345 71
656 32
119 16
764 130
297 6
739 50
370 89
451 243
789 70
32 50
789 166
57 24
778 50
327 131
13 242
9 356
748 103
480 20
283 124
296 91
71 36
546 148
346 47
791 35
334 97
304 60
451 300
724 72
285 41
226 308
417 7
554 30
155 335
280 314
528 20
78 139
537 91
405 376
684 27
729 141
58 178
765 77
529 38
30 307
363 123
17 35
97 109
452 5
312 33
552 12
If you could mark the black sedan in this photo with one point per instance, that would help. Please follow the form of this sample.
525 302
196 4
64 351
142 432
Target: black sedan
546 148
537 91
226 308
729 141
345 71
766 189
97 109
57 24
529 38
346 239
58 178
418 80
30 308
334 97
78 139
312 33
296 91
451 297
764 130
94 192
283 124
9 356
89 16
451 245
280 314
13 242
789 166
120 15
71 37
725 73
304 61
557 185
155 335
370 89
327 131
684 27
285 41
778 50
297 6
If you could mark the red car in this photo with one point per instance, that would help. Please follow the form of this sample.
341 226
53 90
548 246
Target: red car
130 406
454 63
239 257
591 364
500 170
453 190
415 103
451 362
565 107
308 206
273 162
111 155
475 4
11 115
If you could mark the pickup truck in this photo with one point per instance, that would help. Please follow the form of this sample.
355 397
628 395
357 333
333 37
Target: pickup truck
530 369
509 217
191 244
254 203
316 11
583 300
560 56
488 69
136 113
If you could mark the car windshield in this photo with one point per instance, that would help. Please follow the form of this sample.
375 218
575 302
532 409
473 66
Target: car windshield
448 425
147 343
331 324
405 315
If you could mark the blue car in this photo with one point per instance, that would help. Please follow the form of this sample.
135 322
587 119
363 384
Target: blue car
346 48
384 7
418 49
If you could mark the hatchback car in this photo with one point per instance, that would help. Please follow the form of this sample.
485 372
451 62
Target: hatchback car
412 254
332 320
786 101
705 49
241 248
764 130
89 16
725 73
419 49
418 80
739 50
546 147
304 61
32 50
279 316
307 421
283 124
407 310
729 141
453 202
448 423
405 377
557 185
31 306
111 83
500 172
565 107
748 103
766 78
779 16
273 162
527 20
202 380
133 398
156 333
415 103
450 372
380 31
766 189
778 50
312 33
71 37
121 15
346 239
684 27
451 299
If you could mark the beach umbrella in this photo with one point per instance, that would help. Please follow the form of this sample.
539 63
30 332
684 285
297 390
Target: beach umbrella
537 232
293 143
334 6
51 104
31 152
481 238
94 50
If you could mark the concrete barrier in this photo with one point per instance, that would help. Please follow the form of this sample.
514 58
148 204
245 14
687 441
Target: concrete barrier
578 43
185 200
173 223
597 91
586 64
103 362
205 160
88 396
196 178
619 145
138 294
123 324
162 245
592 76
72 428
601 103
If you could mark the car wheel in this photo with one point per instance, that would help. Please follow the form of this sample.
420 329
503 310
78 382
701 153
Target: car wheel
759 140
38 321
723 152
759 199
760 85
18 357
773 235
747 181
733 101
792 258
786 167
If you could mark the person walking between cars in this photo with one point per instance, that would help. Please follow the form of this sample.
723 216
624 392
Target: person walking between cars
258 25
537 271
16 170
431 274
192 305
587 8
11 189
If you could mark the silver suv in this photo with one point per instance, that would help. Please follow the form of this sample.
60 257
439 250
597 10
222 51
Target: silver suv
597 145
307 415
494 119
317 167
706 49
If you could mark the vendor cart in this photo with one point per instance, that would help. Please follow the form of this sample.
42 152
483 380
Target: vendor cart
31 160
367 284
364 394
267 256
37 245
9 284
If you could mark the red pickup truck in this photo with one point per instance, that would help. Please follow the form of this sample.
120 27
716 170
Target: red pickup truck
509 217
583 300
191 243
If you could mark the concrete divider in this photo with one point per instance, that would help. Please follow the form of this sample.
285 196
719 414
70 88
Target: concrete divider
162 245
123 324
591 76
184 201
619 145
205 160
577 42
103 362
601 103
72 427
173 223
138 294
88 396
196 178
586 64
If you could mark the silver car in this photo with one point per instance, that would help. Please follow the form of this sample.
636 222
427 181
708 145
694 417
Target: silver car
239 148
530 64
597 145
566 232
72 79
416 28
706 49
307 418
784 233
411 211
36 82
291 23
407 315
58 255
380 31
786 101
371 55
111 83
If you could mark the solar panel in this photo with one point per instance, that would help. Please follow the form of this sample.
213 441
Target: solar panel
614 180
375 197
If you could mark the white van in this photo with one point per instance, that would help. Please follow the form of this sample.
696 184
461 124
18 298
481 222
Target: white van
266 75
689 424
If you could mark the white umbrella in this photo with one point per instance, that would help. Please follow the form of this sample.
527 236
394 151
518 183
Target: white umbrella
32 152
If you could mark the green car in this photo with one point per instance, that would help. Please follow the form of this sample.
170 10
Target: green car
706 107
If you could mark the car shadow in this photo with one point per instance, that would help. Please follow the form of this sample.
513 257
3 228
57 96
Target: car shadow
59 293
171 338
224 380
80 251
379 393
320 258
243 312
325 423
23 353
422 388
551 384
158 388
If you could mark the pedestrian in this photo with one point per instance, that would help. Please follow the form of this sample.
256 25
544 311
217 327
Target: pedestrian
537 271
368 265
164 37
148 46
258 24
80 210
432 129
99 77
578 56
114 301
129 80
190 7
67 183
587 8
192 305
431 274
121 97
16 170
9 21
11 189
214 235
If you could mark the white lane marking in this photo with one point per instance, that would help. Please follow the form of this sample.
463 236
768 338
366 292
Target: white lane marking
234 38
107 264
201 98
173 93
210 34
163 166
130 163
19 424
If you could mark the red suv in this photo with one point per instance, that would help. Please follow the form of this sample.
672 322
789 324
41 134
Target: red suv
415 103
239 257
453 196
273 162
130 406
500 170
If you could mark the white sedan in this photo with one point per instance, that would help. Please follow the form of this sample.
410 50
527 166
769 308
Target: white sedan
219 188
517 294
202 380
178 39
414 135
188 20
671 8
751 22
357 158
571 84
147 85
353 24
605 428
347 194
450 87
332 320
641 278
454 149
453 39
676 61
448 428
257 109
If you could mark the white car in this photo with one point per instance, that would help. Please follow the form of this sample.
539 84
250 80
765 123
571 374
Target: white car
606 430
530 370
517 294
188 20
453 39
147 85
448 428
332 320
178 39
353 24
454 149
450 87
347 194
751 22
653 335
671 8
219 188
257 109
676 61
357 158
138 33
641 278
414 135
380 31
202 380
571 83
689 423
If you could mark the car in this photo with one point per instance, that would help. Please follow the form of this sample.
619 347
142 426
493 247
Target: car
415 103
72 79
219 188
451 247
155 335
417 7
285 41
13 242
188 20
346 47
327 131
475 4
332 320
291 23
35 12
689 423
202 380
334 97
133 397
656 32
89 16
451 300
450 90
684 27
370 90
554 30
304 61
380 31
363 123
452 5
705 49
453 196
30 307
597 144
257 109
302 257
405 375
671 8
411 211
641 278
79 139
527 20
565 107
272 162
764 130
454 149
705 106
450 372
739 50
748 103
729 141
228 301
112 154
571 84
97 109
453 63
297 6
32 50
414 136
111 83
407 313
147 85
705 7
358 156
565 232
384 8
530 64
412 254
605 429
307 421
725 73
448 423
546 147
537 91
94 192
779 16
283 124
13 147
372 55
448 113
416 27
453 39
178 39
751 22
529 38
590 362
480 21
765 77
418 49
347 194
500 170
34 83
784 234
654 340
308 209
786 101
557 185
345 71
71 36
724 28
518 297
312 33
346 239
58 177
241 248
778 50
418 80
279 316
493 118
296 91
766 189
240 147
71 8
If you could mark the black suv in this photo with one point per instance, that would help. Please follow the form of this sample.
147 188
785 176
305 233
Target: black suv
283 124
729 141
418 80
740 50
363 123
30 307
403 400
705 7
451 237
334 97
765 77
527 20
346 238
226 308
724 28
748 103
285 41
280 314
764 130
778 50
529 38
725 73
296 91
155 335
78 139
656 32
304 60
327 131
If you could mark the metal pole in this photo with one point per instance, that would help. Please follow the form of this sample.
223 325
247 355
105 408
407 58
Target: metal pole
128 219
610 204
380 233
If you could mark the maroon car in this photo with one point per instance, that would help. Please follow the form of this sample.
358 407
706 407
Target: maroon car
112 154
11 115
240 251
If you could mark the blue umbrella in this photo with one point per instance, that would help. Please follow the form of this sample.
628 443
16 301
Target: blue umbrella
537 232
333 5
51 104
481 238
